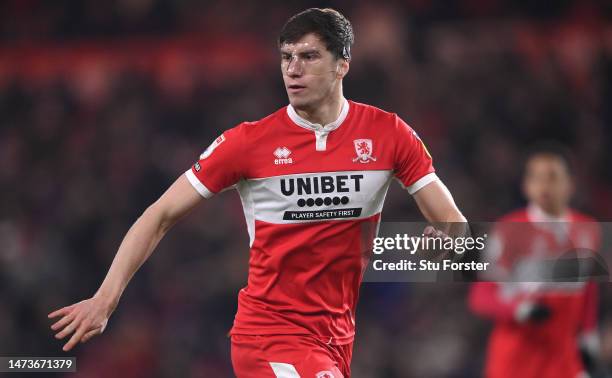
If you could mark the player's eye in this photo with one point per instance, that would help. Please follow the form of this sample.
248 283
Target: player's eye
286 56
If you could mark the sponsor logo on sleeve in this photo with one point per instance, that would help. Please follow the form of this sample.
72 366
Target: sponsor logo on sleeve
422 144
212 147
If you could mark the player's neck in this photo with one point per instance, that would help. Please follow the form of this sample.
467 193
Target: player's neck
324 113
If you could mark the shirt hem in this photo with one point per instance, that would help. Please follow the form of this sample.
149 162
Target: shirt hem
265 331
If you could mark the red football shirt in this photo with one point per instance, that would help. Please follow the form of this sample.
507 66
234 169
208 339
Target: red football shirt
528 349
312 197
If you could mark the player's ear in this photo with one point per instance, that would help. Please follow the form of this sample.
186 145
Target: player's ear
342 68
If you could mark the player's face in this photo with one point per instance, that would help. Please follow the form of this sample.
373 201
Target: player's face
547 183
311 73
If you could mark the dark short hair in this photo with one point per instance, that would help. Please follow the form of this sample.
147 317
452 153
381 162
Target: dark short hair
554 149
330 25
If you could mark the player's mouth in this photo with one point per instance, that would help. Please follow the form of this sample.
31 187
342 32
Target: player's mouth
295 88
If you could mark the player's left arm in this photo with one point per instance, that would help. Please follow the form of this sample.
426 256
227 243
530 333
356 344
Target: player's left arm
414 170
588 337
437 204
588 334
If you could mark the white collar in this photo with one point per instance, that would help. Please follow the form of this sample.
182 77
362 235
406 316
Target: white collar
557 226
315 126
536 214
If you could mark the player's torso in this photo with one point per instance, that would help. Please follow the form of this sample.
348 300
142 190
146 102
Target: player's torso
547 250
309 208
291 179
536 250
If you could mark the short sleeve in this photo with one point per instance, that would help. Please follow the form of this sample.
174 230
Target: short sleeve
218 166
413 164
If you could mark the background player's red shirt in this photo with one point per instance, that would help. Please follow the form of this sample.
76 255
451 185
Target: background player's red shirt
312 197
550 348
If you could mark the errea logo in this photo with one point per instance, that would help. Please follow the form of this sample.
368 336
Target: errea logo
282 156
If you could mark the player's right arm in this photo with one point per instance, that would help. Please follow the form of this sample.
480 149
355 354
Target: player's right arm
89 317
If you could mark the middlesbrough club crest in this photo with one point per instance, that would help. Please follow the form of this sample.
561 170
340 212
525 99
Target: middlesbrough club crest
363 148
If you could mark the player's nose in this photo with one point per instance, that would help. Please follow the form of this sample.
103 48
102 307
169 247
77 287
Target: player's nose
295 67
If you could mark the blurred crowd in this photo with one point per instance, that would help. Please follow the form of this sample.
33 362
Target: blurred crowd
104 104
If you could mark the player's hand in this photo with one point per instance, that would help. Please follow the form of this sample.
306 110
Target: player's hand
83 320
589 345
539 313
437 255
432 232
535 312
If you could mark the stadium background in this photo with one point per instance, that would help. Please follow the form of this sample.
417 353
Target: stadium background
104 104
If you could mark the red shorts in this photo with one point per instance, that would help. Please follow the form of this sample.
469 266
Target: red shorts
289 356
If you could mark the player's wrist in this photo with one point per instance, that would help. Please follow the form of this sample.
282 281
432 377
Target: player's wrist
108 301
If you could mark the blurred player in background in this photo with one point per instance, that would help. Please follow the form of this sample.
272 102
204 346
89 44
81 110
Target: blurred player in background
542 329
312 178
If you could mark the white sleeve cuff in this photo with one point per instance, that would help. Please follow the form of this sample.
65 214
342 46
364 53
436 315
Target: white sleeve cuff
422 182
197 184
522 311
590 341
